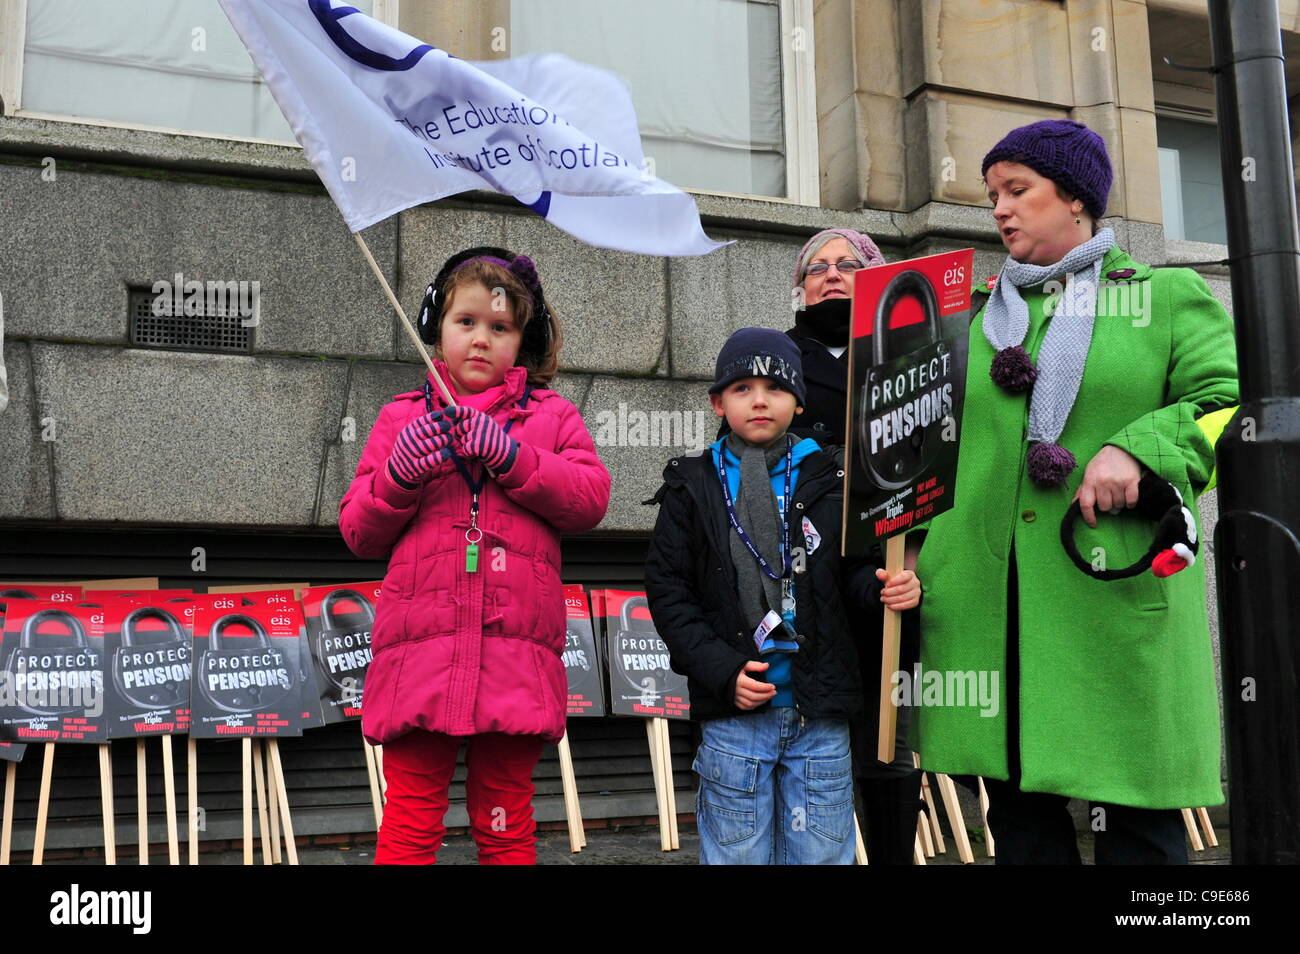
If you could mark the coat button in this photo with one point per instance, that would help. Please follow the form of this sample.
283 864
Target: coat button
798 506
674 461
1028 516
839 473
800 638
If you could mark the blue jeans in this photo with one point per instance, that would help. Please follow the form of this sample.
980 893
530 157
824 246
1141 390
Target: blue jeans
775 789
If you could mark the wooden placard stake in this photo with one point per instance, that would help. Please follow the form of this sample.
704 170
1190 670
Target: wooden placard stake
894 550
282 796
923 829
670 787
376 802
246 751
141 801
192 796
859 846
7 831
272 807
1203 816
106 803
263 824
956 821
169 799
1190 823
661 801
984 811
572 808
43 806
928 795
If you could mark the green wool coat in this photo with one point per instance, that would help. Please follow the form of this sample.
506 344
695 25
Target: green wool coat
1117 696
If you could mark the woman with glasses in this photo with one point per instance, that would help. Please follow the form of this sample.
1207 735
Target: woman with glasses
823 285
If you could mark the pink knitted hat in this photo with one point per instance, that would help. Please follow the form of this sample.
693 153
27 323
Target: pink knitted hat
865 249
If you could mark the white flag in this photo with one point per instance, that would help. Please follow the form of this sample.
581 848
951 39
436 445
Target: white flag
389 122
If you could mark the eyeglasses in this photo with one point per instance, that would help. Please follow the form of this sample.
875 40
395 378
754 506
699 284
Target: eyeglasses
848 266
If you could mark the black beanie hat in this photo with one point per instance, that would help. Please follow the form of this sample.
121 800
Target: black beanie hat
760 353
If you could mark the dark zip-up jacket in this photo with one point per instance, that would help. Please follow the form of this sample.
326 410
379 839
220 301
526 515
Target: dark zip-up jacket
691 586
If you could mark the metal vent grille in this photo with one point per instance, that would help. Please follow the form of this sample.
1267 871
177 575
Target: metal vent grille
217 327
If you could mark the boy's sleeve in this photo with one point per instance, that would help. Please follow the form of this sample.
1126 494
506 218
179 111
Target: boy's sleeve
697 651
375 509
567 486
861 587
1202 378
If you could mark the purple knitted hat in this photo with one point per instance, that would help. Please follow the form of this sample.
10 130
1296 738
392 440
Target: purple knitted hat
863 248
1065 151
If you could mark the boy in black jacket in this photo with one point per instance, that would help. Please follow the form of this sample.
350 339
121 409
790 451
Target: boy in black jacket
748 589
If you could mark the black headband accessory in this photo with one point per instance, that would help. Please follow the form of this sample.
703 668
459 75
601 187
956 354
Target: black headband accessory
1175 545
537 335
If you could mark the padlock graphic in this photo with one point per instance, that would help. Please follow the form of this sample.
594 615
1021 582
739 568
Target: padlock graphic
897 465
17 594
29 667
241 680
343 652
155 674
643 656
574 638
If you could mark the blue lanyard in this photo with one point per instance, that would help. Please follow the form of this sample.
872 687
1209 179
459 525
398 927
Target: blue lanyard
784 542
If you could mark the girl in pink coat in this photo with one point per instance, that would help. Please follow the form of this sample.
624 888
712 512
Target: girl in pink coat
469 502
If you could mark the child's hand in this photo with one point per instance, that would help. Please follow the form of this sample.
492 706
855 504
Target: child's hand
418 447
750 693
902 590
477 435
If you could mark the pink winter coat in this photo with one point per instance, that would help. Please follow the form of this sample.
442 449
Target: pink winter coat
463 653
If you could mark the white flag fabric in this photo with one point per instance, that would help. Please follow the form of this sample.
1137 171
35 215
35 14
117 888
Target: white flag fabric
389 122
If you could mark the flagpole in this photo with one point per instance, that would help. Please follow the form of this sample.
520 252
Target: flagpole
406 322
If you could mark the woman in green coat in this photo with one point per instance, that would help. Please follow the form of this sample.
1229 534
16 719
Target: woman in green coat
1085 369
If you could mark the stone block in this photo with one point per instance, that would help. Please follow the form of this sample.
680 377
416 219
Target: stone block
189 439
743 285
26 461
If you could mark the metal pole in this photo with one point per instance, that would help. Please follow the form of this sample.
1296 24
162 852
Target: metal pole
1256 547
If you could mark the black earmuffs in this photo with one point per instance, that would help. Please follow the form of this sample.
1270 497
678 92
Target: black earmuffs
1175 545
537 335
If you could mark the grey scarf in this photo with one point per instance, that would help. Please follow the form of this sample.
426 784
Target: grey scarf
1063 353
756 509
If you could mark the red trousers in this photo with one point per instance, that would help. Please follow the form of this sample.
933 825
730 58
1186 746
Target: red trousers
498 795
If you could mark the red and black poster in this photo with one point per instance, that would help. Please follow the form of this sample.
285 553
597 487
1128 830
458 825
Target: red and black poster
581 659
246 672
339 619
57 592
907 378
147 666
641 681
52 670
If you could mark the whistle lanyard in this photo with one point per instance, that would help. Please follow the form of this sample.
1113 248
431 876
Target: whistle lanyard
783 543
472 534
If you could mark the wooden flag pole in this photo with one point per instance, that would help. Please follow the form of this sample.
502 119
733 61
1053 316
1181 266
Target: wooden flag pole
282 796
169 797
43 806
955 820
984 811
661 801
246 750
1203 816
192 796
106 803
406 322
141 802
7 832
263 825
894 550
859 846
572 808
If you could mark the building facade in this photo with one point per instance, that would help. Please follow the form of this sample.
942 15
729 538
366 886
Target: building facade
137 147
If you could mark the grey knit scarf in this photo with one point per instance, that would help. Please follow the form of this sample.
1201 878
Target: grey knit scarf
1061 358
756 509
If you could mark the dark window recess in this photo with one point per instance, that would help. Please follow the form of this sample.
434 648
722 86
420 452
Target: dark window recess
218 326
